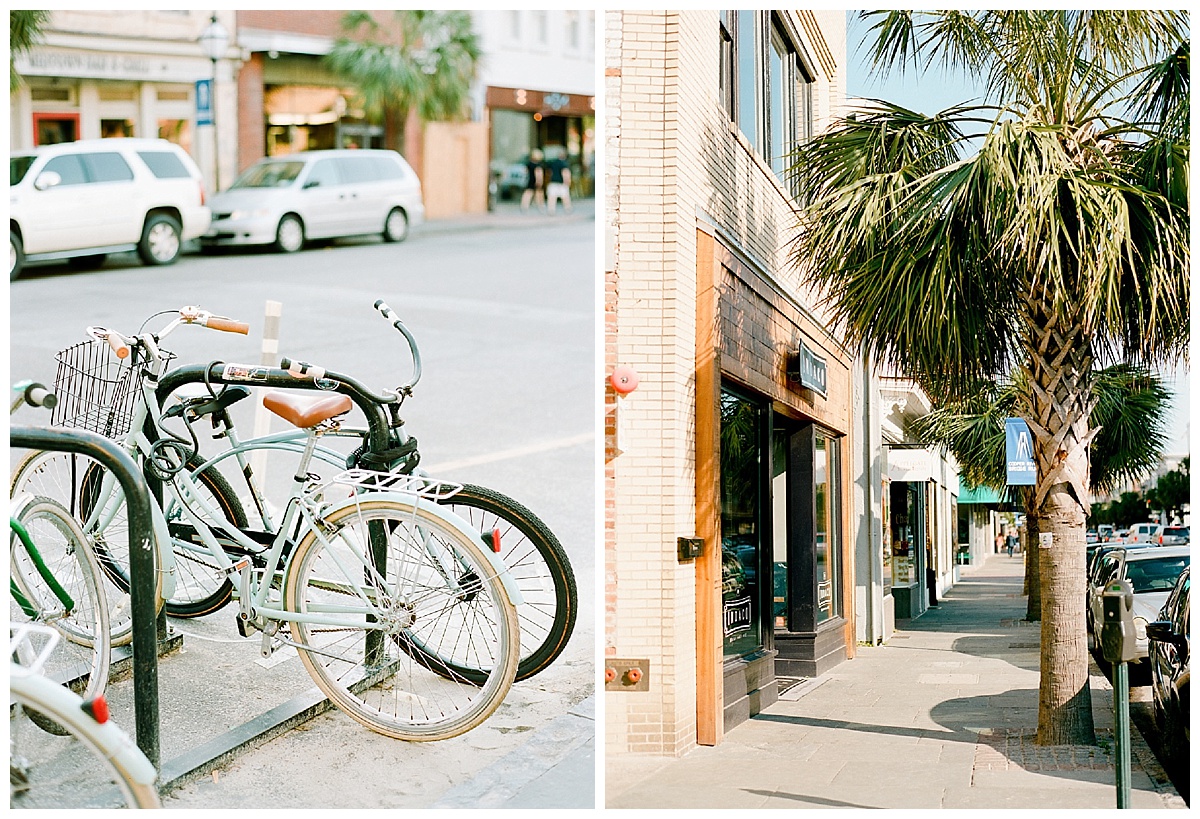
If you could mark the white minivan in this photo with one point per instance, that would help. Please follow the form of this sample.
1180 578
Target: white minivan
82 200
287 200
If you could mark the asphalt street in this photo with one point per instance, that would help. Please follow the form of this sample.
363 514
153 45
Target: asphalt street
503 307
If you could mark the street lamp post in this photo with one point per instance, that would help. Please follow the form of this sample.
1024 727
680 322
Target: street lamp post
213 42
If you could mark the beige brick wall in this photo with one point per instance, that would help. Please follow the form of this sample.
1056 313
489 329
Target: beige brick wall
673 163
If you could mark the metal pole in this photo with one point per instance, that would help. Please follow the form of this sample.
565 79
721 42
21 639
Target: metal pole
1121 718
216 137
141 563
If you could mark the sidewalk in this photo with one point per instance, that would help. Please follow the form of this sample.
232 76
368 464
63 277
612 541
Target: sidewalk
942 716
508 216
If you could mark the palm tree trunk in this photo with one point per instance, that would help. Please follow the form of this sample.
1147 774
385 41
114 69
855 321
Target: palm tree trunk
1033 582
1060 382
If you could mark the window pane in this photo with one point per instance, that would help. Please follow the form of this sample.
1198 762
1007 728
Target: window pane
747 92
69 168
777 113
108 167
164 164
741 522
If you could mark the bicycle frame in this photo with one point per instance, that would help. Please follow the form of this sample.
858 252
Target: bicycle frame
184 490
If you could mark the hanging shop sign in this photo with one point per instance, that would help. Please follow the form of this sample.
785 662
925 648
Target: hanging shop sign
810 370
1018 453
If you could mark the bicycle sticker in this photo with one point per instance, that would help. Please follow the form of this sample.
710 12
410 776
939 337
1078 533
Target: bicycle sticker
299 369
326 384
244 372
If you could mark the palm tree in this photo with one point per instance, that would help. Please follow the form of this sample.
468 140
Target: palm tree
425 63
1039 235
24 31
1130 414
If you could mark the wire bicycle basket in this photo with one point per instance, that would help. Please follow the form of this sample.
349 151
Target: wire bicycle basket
96 391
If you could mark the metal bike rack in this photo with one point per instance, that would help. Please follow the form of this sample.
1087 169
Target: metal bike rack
141 563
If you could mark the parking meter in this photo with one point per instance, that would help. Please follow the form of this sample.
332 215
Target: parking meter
1118 641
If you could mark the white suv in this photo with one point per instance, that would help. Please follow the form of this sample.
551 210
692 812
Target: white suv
83 200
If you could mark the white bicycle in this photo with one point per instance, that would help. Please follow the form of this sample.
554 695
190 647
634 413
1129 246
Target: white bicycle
90 763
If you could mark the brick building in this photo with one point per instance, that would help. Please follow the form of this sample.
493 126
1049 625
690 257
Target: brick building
741 431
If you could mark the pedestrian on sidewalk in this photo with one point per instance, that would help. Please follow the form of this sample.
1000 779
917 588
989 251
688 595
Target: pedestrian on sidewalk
1010 543
533 182
999 542
558 188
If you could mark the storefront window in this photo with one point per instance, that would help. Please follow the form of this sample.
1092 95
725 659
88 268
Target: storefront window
886 512
779 527
742 434
825 528
111 128
906 531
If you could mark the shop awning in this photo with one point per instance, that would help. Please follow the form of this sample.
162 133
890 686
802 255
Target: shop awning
980 494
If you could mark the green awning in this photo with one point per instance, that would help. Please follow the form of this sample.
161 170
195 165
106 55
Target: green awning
980 494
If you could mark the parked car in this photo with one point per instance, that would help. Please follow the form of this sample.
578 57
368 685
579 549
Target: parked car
287 200
1119 535
1092 537
1142 533
84 200
1174 535
1170 667
1151 572
1105 531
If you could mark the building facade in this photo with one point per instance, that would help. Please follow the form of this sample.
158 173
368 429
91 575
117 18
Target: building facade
729 547
145 74
133 73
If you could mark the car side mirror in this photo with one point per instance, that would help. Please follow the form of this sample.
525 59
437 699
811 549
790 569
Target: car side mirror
47 180
312 183
1161 631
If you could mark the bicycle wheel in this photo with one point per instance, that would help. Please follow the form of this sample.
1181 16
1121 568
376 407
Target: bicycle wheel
539 565
437 597
81 659
92 765
76 480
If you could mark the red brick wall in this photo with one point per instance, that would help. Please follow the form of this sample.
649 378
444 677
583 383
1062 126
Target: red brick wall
252 134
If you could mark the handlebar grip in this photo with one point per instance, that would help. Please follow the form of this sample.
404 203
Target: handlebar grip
385 310
227 325
37 395
118 345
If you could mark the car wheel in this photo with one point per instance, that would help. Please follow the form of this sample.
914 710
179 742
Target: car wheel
395 228
16 255
289 236
161 240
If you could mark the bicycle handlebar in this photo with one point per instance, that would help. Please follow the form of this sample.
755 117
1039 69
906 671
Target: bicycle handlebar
185 315
304 371
34 394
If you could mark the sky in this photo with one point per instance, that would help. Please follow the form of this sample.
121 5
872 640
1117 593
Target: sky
935 91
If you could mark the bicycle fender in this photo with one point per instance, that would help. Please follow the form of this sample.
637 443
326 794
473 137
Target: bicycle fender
449 519
66 707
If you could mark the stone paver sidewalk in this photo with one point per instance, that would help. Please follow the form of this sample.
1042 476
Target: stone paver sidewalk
943 716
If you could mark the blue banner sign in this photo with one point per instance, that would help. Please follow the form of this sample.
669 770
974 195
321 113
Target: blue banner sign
1018 453
204 102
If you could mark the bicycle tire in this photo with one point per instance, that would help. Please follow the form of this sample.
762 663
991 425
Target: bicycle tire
63 476
92 765
81 660
537 562
200 588
473 617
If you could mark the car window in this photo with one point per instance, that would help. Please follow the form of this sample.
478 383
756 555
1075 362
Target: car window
387 168
107 166
269 175
1108 569
18 166
357 169
164 164
1154 574
323 174
69 167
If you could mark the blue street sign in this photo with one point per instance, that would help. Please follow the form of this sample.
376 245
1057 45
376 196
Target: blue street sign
204 102
1018 453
